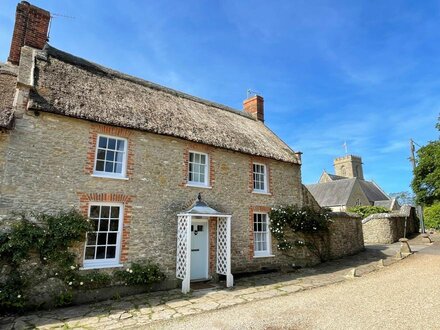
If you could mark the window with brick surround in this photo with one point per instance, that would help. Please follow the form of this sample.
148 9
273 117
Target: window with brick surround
103 244
260 178
198 169
111 157
262 239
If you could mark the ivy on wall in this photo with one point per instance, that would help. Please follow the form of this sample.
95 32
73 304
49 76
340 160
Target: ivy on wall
307 223
42 241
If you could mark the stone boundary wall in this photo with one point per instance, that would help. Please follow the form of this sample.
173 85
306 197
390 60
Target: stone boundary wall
346 236
387 228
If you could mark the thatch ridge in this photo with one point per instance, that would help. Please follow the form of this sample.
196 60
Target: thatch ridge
99 69
71 86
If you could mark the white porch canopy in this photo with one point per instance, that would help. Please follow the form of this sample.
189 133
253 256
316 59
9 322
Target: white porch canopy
223 256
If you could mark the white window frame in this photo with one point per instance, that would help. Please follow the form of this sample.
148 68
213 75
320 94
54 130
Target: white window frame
103 174
268 251
106 263
261 191
195 183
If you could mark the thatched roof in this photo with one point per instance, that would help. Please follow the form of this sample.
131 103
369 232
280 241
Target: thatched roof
71 86
8 82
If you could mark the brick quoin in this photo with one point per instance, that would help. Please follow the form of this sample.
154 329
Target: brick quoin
203 149
97 129
30 29
126 200
252 210
265 162
212 244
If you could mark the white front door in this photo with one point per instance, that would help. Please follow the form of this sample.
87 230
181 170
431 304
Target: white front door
199 250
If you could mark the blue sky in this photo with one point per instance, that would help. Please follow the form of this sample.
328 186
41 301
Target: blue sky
365 72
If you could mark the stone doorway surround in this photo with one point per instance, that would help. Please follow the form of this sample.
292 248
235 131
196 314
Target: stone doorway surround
223 244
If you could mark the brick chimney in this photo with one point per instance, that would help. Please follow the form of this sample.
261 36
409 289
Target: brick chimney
31 27
255 106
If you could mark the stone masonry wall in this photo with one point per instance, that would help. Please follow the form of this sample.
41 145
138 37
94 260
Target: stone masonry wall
46 168
346 237
386 228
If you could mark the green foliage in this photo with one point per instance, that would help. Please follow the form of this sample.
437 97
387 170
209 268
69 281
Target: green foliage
432 216
49 237
11 293
366 210
426 182
140 274
311 223
93 280
24 237
64 299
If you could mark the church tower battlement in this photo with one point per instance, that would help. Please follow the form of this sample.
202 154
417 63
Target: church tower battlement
349 166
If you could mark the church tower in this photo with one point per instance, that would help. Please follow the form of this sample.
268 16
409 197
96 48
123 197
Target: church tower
349 166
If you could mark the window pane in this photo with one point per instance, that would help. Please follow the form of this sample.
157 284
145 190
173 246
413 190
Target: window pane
102 239
114 225
102 142
203 159
111 252
112 238
100 166
110 156
109 167
91 238
101 154
115 212
119 157
100 252
111 144
94 211
90 253
118 167
95 225
103 226
121 145
105 211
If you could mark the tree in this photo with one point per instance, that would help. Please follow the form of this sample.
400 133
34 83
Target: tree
426 182
432 216
404 197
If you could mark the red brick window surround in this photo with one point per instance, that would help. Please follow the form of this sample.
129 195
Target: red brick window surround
252 211
258 164
97 130
125 201
198 149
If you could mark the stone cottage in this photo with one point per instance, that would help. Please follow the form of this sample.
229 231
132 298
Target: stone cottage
164 175
347 187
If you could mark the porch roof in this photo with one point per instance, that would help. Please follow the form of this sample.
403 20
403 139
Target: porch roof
201 208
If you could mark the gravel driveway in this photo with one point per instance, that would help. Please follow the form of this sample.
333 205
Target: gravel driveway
403 295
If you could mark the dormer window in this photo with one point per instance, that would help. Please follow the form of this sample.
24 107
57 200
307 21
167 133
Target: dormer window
111 157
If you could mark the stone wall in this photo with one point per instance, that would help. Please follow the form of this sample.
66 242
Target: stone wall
386 228
346 237
45 168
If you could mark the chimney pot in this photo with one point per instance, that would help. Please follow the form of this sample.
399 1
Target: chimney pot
255 106
30 29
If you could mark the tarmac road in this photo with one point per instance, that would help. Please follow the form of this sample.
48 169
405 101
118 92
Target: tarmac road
403 295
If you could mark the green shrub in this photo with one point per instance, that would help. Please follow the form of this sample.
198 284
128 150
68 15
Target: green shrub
432 216
367 210
93 280
140 274
305 220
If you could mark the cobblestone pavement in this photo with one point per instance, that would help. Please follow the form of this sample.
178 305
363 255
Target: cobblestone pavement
144 309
